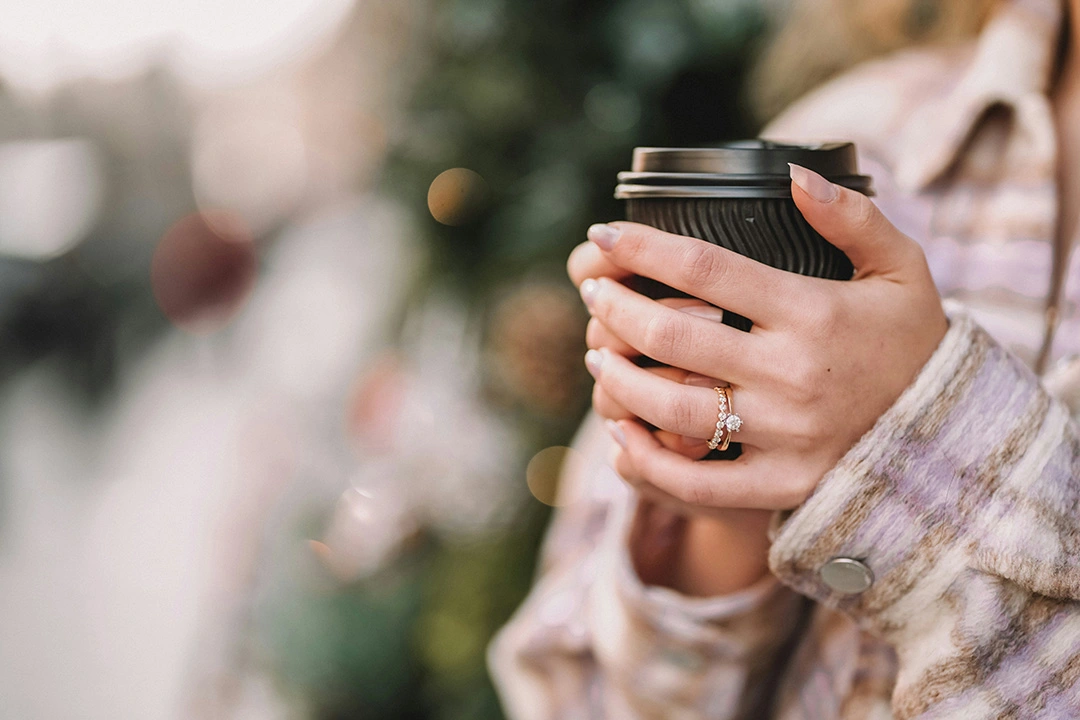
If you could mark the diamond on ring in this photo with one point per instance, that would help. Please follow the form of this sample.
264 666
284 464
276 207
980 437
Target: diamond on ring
733 423
724 420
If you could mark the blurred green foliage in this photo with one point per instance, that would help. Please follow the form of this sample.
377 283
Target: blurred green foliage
545 100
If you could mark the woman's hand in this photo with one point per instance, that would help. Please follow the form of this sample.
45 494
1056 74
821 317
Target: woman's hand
588 261
693 550
823 361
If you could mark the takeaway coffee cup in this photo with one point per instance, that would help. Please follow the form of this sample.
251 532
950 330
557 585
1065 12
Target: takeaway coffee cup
738 196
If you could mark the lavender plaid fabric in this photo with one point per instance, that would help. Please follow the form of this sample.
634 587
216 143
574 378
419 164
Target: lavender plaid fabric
964 499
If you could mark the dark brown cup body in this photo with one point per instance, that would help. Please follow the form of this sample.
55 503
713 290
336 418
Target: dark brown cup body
769 230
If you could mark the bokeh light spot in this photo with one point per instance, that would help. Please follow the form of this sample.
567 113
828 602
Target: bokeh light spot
457 196
50 195
203 270
251 159
321 550
546 470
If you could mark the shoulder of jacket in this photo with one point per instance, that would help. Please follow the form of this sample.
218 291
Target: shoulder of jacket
871 103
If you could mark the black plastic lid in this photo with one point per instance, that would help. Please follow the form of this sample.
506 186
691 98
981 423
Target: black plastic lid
742 169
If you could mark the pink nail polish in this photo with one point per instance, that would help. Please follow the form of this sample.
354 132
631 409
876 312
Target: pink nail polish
589 288
617 433
700 381
594 361
691 442
813 184
605 236
704 311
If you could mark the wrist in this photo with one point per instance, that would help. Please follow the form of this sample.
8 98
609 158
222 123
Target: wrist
722 555
700 555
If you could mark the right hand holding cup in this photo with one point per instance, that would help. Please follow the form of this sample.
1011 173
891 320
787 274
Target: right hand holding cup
823 361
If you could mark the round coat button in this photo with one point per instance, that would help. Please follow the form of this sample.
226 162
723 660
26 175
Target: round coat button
847 576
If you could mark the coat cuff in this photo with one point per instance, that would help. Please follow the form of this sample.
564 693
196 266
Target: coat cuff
905 500
668 650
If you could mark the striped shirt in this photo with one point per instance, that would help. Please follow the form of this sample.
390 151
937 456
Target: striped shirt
963 500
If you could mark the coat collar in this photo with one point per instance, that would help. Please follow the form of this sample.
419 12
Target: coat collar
1013 60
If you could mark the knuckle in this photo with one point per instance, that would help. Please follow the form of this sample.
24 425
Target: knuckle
703 266
665 333
914 256
804 382
822 314
810 390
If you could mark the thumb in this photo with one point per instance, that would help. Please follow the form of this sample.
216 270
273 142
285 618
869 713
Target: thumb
853 223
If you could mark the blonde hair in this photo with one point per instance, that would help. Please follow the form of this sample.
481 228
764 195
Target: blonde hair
821 38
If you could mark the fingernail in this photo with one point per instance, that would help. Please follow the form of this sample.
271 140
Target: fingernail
690 442
813 184
589 288
705 311
605 236
700 381
616 433
594 360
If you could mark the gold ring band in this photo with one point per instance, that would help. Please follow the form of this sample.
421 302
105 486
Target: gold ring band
727 422
729 413
720 435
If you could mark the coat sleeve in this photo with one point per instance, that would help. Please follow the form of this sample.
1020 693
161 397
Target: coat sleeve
963 502
592 641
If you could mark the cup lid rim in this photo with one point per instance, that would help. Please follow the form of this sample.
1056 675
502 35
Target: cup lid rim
748 157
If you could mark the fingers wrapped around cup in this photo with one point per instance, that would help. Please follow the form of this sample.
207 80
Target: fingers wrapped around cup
588 261
667 398
609 408
755 480
598 335
672 336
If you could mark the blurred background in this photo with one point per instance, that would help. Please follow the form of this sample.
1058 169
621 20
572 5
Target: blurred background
288 360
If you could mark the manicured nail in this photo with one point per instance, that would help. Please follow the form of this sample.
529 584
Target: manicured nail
605 236
617 433
705 311
813 184
699 380
589 288
594 360
690 442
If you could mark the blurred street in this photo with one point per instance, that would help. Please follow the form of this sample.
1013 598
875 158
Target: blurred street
283 321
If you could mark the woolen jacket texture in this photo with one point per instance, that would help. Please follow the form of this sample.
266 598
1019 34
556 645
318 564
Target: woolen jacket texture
963 500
